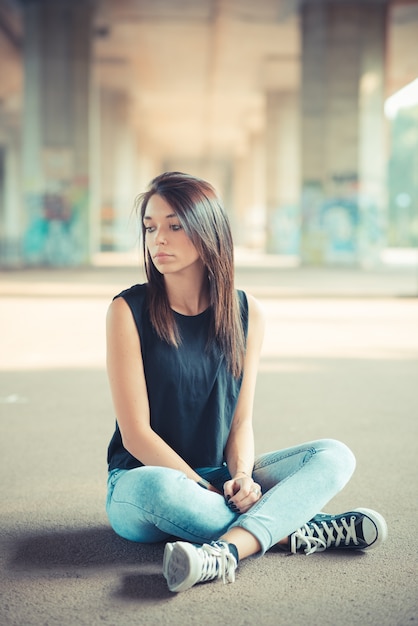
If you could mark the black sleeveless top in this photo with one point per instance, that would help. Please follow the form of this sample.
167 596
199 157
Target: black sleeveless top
192 395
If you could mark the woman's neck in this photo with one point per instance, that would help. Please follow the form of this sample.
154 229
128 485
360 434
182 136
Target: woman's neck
188 297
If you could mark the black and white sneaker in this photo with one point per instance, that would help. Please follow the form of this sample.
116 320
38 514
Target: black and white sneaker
186 564
353 530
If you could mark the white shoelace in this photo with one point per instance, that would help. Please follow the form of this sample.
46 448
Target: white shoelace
218 562
319 537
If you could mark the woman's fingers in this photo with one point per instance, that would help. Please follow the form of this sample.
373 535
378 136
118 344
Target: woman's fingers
242 499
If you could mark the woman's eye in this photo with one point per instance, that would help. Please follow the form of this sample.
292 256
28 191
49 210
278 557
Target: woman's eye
175 227
149 229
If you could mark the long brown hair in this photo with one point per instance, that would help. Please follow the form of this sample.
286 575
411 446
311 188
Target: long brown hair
204 220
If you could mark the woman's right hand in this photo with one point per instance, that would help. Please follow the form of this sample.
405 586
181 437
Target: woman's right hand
241 493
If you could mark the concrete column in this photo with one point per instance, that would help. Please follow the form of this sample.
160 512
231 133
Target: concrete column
11 202
282 171
119 171
248 194
343 152
56 131
10 214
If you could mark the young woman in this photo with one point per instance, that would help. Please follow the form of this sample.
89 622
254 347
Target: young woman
182 357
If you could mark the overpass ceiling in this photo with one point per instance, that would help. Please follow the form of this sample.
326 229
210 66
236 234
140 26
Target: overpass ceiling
196 71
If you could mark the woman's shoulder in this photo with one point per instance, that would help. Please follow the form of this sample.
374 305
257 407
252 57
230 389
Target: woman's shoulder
134 293
253 310
252 314
255 323
249 304
129 302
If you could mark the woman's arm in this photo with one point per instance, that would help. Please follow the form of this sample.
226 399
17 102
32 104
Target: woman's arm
239 449
129 392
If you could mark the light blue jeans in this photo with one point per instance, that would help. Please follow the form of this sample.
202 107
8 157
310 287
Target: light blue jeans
150 504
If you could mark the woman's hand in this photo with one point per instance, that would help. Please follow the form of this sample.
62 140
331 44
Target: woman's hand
241 493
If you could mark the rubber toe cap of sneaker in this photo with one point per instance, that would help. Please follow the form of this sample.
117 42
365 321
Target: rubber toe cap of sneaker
374 528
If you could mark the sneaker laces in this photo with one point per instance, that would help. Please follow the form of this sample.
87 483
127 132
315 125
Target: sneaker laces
319 537
304 536
217 562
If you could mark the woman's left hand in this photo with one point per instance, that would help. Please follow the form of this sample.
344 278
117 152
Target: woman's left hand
241 493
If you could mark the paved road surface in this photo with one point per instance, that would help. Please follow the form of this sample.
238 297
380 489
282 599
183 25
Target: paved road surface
343 367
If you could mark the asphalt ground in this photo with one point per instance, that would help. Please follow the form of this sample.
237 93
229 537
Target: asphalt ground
340 360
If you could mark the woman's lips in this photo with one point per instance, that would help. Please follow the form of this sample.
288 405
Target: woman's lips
160 256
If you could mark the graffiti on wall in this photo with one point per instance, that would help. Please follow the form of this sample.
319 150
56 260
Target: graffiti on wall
285 231
56 234
343 228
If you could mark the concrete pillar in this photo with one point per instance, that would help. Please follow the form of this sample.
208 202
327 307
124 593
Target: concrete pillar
11 202
282 168
10 214
119 171
343 152
56 131
248 194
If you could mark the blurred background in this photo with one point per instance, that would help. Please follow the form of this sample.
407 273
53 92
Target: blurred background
304 115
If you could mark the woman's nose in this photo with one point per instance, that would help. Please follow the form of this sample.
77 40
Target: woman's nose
160 237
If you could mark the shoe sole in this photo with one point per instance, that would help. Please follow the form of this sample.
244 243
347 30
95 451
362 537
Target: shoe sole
167 553
179 567
380 524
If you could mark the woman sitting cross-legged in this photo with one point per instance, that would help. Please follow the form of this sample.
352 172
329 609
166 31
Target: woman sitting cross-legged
182 358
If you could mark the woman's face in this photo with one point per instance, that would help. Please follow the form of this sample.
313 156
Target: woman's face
169 247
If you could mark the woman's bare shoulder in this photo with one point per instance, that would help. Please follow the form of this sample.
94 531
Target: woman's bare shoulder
119 320
256 311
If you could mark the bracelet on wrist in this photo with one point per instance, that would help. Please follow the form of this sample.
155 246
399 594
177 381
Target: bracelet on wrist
203 483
